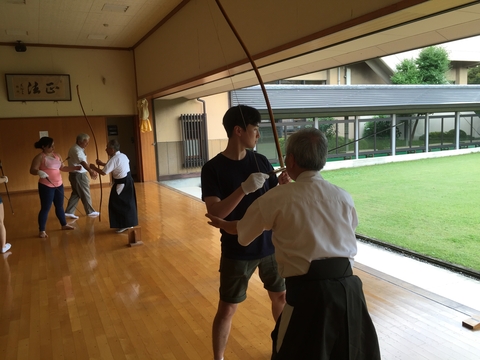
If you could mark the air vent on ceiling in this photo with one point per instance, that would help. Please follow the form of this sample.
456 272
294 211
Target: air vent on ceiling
115 8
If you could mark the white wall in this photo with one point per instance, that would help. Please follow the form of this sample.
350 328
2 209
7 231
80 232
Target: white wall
167 114
106 80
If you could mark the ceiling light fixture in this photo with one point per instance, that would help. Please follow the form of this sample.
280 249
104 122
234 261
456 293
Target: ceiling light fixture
96 37
115 8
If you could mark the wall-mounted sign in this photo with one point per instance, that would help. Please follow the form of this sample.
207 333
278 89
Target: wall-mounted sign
112 130
36 87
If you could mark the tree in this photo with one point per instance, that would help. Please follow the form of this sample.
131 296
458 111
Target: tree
433 64
406 73
430 67
474 75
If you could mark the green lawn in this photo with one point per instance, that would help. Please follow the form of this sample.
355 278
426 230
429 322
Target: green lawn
430 206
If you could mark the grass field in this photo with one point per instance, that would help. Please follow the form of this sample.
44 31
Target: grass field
430 206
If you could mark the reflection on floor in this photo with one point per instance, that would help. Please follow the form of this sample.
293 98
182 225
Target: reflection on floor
459 288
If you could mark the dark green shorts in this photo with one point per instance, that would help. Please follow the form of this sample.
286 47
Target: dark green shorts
235 274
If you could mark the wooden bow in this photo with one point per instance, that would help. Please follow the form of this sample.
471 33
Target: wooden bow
96 149
259 77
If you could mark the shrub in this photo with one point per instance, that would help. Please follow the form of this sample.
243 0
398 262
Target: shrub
281 142
449 136
380 129
327 129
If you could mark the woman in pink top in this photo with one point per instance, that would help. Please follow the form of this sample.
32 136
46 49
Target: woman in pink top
47 165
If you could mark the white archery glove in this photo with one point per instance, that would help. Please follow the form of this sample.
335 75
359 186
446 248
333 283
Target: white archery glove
254 182
5 179
42 174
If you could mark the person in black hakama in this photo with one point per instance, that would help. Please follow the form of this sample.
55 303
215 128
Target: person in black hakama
313 223
122 205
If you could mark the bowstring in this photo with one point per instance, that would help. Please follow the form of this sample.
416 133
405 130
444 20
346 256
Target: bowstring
230 78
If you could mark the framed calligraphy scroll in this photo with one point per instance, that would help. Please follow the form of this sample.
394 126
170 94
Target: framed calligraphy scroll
38 87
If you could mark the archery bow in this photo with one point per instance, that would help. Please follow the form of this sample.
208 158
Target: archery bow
6 188
264 91
259 77
96 149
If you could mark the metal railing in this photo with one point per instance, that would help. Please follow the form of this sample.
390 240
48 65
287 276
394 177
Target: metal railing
355 137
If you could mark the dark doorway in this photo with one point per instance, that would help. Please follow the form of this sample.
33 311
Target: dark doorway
122 128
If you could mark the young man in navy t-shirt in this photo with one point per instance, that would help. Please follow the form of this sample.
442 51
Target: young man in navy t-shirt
231 181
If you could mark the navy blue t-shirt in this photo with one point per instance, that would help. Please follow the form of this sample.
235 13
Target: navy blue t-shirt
221 176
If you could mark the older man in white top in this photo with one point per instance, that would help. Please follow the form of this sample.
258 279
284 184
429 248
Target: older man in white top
313 223
122 204
79 179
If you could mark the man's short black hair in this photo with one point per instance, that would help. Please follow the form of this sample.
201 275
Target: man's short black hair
240 115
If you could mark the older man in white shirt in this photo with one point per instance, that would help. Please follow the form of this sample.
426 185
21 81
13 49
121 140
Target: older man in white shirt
313 223
122 204
79 179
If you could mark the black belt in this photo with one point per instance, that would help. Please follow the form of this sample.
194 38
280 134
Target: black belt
122 180
331 268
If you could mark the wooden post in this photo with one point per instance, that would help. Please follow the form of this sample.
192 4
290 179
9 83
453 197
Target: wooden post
472 323
134 236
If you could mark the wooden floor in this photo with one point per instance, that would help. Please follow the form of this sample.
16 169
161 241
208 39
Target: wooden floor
84 294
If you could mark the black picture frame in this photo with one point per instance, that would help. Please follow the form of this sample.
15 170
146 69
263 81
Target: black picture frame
112 130
38 87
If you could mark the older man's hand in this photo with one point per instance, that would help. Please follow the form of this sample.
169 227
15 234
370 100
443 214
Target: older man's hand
228 226
284 178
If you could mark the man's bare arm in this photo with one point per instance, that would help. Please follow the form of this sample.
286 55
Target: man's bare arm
222 208
229 226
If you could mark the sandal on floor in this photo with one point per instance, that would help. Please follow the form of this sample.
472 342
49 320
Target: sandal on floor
43 234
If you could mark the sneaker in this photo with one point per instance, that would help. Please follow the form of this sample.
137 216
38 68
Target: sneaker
123 229
94 214
6 248
72 216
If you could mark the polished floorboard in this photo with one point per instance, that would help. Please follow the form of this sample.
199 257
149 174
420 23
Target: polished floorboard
85 294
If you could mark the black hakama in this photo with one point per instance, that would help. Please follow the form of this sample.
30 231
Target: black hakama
122 208
329 319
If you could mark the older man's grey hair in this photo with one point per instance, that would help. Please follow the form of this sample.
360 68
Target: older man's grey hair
82 137
114 144
309 147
